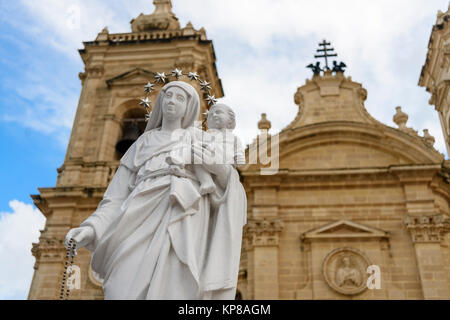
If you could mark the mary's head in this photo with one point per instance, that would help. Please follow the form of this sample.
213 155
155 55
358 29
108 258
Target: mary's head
176 100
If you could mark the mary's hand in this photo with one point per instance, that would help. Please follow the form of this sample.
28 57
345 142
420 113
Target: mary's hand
204 155
82 236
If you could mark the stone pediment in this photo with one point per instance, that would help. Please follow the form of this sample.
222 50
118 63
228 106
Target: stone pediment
344 229
352 145
136 76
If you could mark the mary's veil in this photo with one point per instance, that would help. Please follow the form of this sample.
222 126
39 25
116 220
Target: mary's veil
192 107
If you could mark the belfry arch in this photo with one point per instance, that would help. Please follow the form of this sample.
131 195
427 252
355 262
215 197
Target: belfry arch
131 120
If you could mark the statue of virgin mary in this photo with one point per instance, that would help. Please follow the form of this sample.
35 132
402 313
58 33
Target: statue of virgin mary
153 236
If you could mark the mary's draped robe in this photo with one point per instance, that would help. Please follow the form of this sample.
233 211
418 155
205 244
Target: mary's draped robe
156 237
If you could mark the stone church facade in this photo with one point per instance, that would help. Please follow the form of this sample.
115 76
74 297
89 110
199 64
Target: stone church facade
353 198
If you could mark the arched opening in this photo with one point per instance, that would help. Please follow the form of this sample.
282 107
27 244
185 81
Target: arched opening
133 125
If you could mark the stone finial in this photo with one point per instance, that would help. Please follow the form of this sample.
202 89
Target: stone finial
188 30
103 35
400 118
441 15
203 33
162 6
161 19
264 124
428 138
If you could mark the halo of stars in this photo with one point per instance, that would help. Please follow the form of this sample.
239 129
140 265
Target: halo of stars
163 78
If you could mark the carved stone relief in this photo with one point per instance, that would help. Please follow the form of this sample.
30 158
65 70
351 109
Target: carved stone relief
344 270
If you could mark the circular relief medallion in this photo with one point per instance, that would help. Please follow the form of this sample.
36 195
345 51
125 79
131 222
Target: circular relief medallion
344 270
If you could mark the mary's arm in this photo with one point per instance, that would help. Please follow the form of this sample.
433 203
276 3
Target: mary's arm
222 173
203 155
108 209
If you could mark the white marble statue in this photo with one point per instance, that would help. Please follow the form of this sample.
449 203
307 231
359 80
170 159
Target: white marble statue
227 147
154 236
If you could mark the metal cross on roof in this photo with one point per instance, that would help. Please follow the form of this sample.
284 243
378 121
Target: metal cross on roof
326 53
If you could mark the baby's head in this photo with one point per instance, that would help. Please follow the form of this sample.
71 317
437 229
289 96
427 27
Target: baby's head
221 116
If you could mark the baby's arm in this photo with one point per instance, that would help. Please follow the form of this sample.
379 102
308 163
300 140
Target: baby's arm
239 153
206 182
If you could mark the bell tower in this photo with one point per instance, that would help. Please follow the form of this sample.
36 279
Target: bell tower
108 120
435 75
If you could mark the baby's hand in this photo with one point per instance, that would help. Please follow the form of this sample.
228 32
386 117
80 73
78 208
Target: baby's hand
174 162
177 170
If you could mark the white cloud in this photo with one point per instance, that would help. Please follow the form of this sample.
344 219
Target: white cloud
262 47
18 230
383 42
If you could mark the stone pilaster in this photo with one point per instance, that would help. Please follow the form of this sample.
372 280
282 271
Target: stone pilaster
49 254
427 232
262 238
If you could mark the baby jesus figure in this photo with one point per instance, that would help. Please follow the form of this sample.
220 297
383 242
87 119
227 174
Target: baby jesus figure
227 147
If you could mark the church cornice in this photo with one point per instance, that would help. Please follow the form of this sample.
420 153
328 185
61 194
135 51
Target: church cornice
369 175
191 52
145 37
66 197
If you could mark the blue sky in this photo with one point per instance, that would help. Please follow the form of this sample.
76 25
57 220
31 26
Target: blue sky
262 48
34 79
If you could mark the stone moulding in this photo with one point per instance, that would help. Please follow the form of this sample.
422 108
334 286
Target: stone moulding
354 230
124 79
345 229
